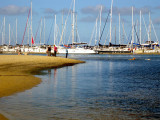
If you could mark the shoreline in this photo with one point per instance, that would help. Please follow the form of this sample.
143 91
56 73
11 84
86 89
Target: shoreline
101 53
17 72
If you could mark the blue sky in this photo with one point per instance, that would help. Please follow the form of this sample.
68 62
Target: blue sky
87 12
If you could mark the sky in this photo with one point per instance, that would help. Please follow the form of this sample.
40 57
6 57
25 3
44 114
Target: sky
85 28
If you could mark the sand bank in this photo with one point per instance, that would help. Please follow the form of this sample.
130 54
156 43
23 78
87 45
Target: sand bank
2 117
16 71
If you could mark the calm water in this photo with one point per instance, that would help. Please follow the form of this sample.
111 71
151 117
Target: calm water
106 87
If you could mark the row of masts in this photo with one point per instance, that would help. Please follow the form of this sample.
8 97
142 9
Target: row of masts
29 26
133 28
3 32
16 40
73 27
42 25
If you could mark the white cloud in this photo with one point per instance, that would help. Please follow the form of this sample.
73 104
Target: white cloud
157 8
49 16
88 19
13 10
90 13
128 10
65 11
94 10
157 21
50 11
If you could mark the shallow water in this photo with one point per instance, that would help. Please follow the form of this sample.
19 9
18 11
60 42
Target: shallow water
106 87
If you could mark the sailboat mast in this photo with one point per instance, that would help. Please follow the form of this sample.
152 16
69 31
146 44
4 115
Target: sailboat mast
55 30
154 32
9 34
44 30
123 33
100 19
4 31
31 24
41 32
136 25
76 29
16 30
96 32
150 27
2 38
132 27
115 35
73 24
28 34
111 23
119 29
140 27
62 23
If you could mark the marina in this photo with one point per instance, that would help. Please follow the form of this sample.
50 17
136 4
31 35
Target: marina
134 44
76 60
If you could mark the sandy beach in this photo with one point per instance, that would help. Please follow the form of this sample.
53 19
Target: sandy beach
16 71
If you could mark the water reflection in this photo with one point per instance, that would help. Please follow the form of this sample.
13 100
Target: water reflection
49 74
110 80
73 81
55 73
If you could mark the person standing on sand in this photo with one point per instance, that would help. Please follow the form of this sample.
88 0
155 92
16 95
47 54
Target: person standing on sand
19 50
49 50
55 50
66 53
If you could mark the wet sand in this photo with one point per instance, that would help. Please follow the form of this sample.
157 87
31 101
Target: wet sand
16 72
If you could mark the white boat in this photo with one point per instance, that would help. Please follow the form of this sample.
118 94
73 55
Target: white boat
113 50
76 50
6 48
34 49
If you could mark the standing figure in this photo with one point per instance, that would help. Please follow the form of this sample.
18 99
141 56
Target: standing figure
55 50
66 53
19 50
49 50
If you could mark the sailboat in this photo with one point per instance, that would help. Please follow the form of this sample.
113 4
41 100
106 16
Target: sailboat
149 46
75 48
33 48
111 48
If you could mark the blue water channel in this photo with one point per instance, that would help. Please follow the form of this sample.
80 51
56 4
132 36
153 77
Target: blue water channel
106 87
